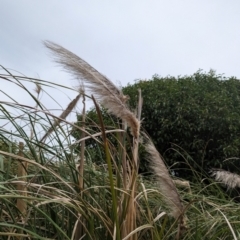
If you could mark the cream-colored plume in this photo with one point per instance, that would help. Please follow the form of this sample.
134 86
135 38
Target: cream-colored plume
166 184
231 180
101 87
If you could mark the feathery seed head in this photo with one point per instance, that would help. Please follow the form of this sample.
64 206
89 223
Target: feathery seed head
110 96
231 180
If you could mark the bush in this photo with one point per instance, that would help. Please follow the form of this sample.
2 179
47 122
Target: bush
193 120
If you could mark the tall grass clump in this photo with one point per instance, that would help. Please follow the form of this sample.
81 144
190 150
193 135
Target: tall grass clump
52 189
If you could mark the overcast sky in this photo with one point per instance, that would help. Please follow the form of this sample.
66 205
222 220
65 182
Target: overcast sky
123 39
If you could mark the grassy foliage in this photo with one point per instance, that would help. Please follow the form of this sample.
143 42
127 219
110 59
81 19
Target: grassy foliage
52 197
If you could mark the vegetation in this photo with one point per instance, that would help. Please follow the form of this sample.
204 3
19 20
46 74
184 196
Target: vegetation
192 116
47 194
193 120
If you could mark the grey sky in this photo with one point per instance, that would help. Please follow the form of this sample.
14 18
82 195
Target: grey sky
123 39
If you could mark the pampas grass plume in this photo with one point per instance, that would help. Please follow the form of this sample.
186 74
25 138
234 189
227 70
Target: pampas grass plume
231 180
166 184
101 87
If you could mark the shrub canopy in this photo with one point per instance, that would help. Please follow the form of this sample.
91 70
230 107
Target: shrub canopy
194 120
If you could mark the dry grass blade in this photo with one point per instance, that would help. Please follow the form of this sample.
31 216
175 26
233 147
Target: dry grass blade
38 90
231 180
79 231
229 225
64 115
103 89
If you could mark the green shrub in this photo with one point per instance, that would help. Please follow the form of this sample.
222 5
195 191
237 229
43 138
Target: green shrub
198 115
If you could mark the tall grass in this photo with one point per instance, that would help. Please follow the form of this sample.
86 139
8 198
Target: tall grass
65 195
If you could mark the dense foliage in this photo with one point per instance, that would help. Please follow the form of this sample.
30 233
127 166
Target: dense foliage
193 120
